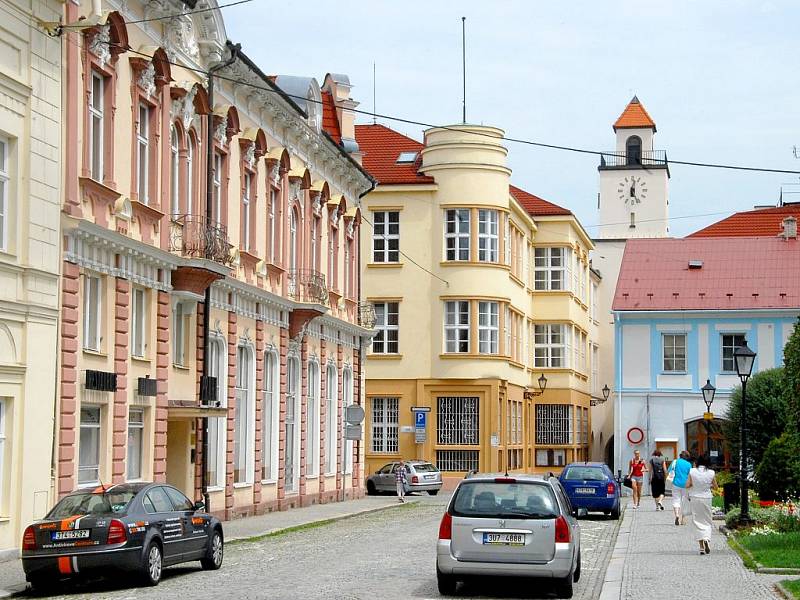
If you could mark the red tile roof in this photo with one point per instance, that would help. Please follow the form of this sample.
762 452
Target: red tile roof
759 222
634 116
736 274
380 147
536 207
330 120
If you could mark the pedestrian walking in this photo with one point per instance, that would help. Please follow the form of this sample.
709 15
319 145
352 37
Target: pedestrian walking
636 470
679 470
699 484
657 478
400 480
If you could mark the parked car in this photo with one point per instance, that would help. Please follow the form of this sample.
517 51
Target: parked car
518 526
421 476
591 485
135 527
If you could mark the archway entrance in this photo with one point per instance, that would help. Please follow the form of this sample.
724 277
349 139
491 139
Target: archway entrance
608 453
707 438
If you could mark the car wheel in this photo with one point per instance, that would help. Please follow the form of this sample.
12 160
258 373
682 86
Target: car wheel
433 492
371 490
446 583
152 564
43 585
576 576
564 587
615 513
214 552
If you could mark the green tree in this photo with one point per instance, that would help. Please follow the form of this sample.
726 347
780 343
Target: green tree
791 363
767 413
778 473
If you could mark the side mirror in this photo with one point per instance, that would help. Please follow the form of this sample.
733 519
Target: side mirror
199 505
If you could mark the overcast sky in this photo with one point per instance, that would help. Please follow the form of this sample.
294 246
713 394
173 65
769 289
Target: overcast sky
719 77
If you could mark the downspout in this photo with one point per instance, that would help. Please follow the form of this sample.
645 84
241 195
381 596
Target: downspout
207 299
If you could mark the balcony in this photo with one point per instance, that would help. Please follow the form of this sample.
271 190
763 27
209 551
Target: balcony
195 236
366 315
307 286
649 159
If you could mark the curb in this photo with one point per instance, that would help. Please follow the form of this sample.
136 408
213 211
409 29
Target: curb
786 593
313 523
612 580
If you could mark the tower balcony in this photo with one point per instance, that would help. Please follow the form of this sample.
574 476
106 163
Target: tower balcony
205 245
647 159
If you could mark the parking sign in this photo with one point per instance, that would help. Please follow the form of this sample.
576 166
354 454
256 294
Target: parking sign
420 419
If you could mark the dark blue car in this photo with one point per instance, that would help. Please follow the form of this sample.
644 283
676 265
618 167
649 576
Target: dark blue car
592 486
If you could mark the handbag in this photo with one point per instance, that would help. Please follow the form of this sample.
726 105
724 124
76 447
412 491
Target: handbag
627 482
670 476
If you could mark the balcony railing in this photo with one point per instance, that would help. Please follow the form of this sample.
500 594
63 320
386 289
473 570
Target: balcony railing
195 236
648 158
366 315
305 285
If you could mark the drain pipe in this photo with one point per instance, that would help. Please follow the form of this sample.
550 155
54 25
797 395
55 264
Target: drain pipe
207 299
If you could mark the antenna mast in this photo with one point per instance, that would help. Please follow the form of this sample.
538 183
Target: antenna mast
374 85
464 69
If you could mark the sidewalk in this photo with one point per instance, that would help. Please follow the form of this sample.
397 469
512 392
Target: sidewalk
653 558
12 577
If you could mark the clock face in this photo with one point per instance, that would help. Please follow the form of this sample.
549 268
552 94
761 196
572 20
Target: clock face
632 190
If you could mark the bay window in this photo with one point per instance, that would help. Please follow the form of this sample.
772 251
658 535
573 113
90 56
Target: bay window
552 269
457 326
488 327
457 234
550 347
487 235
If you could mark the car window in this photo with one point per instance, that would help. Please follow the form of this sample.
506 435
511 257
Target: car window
424 468
584 473
520 500
159 499
179 501
148 504
386 468
89 503
565 503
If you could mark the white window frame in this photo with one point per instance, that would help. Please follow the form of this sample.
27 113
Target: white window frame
179 335
273 199
216 184
174 171
5 186
143 153
139 322
93 426
382 409
244 417
454 328
332 418
313 409
92 315
217 427
488 327
388 332
457 238
488 234
191 147
383 224
552 269
97 127
315 225
547 353
269 421
246 211
135 427
3 437
722 347
669 344
347 400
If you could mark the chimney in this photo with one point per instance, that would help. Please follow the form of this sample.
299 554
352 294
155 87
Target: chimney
789 228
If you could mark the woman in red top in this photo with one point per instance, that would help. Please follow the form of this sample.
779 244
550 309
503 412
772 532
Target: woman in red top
636 470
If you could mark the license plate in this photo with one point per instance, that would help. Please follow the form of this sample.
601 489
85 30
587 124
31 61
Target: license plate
584 490
430 476
504 539
74 534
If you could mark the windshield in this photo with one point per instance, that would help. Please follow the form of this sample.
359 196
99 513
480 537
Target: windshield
584 474
424 468
89 503
519 500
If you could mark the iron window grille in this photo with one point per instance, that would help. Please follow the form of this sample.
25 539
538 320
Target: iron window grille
553 424
385 425
457 420
457 460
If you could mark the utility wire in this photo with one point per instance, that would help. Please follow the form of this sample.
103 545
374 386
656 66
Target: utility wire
165 17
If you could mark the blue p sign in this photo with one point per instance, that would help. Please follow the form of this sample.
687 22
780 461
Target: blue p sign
420 419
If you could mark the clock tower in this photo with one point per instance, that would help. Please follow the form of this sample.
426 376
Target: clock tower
634 199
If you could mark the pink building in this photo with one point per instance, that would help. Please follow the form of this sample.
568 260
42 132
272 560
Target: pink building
211 330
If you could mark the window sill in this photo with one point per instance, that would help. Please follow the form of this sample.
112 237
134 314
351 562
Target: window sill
5 519
384 356
385 265
181 367
333 474
473 356
474 263
97 353
241 485
141 359
269 482
312 477
215 488
680 373
517 280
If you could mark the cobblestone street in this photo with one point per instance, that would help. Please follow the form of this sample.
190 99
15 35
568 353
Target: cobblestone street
390 554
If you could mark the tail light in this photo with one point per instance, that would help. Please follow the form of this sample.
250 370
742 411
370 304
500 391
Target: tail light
29 539
116 533
446 527
610 489
415 479
562 530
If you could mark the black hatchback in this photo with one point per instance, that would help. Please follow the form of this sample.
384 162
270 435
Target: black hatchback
134 527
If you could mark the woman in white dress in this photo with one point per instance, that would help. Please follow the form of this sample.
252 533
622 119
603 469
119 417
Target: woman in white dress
699 485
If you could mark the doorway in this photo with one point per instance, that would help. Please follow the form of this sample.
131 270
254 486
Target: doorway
668 449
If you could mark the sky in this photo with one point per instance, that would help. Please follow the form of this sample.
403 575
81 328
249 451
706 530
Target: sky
719 78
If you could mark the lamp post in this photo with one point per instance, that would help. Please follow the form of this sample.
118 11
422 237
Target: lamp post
708 397
606 392
744 358
531 394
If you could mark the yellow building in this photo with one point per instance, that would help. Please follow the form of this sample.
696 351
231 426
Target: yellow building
479 289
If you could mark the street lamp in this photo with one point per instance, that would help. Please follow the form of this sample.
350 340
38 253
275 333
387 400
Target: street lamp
708 397
531 394
743 358
595 401
606 392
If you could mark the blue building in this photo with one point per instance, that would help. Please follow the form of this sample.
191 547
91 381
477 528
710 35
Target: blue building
680 309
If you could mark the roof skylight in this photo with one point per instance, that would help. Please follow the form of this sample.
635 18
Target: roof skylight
406 157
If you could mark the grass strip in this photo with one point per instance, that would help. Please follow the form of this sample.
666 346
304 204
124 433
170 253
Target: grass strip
778 550
792 586
743 554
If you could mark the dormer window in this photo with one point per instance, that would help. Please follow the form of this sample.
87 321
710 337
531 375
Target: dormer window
633 150
406 158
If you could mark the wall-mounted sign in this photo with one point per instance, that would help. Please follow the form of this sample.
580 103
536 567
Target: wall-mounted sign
635 435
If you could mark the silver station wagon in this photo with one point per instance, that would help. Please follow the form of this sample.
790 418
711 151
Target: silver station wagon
516 526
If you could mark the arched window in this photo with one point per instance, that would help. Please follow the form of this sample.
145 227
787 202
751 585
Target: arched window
191 151
332 419
347 400
243 418
633 150
292 437
269 421
174 171
293 240
217 429
313 419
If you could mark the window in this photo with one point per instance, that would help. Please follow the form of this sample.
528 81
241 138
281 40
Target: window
456 326
386 237
241 416
487 235
384 425
332 420
139 324
387 325
457 460
550 458
2 446
217 428
313 418
595 370
190 174
96 126
269 423
174 171
595 313
406 158
92 306
179 335
246 211
89 446
4 193
550 348
553 424
633 150
585 438
290 422
216 185
273 242
333 259
179 501
674 352
347 400
730 342
551 268
314 243
457 421
143 152
488 327
456 234
157 501
135 442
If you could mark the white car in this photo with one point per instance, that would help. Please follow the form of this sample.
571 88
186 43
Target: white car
421 476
